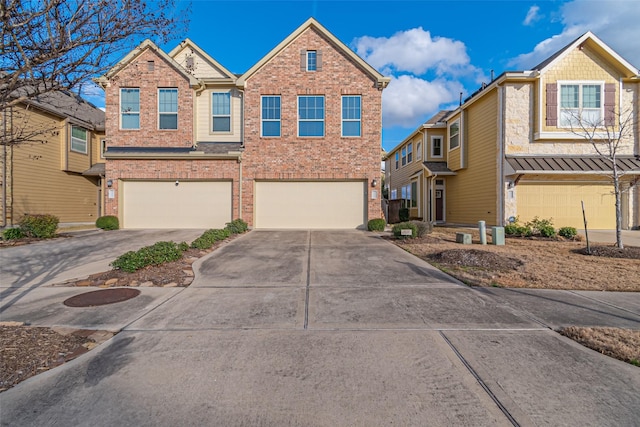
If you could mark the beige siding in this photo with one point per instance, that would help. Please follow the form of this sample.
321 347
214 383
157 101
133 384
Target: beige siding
454 157
436 132
402 176
471 194
202 67
204 117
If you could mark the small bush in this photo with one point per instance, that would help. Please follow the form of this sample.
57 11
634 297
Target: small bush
537 225
568 232
397 229
377 224
423 227
108 222
237 226
547 231
404 214
511 229
40 226
209 237
13 234
156 254
183 246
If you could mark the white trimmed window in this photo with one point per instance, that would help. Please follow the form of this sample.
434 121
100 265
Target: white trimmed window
419 151
410 152
103 147
394 194
312 60
581 104
414 194
454 135
404 156
129 108
351 117
168 108
271 116
79 139
436 146
221 112
311 116
397 159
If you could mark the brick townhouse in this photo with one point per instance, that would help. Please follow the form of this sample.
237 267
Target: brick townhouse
292 143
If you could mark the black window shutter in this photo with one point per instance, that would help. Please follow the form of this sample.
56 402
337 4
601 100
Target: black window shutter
552 104
609 104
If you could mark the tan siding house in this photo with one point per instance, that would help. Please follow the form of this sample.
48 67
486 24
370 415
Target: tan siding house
515 148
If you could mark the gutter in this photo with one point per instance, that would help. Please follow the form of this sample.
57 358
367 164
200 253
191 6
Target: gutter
232 155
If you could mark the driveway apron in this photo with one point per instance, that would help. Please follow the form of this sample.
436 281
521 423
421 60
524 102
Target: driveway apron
331 328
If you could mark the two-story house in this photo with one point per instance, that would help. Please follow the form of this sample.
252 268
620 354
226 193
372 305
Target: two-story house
294 142
52 159
514 149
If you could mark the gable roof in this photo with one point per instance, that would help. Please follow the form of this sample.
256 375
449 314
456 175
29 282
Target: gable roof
66 104
591 40
147 44
381 80
187 42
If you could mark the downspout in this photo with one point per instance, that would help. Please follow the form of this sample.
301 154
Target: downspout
4 167
240 187
501 148
198 91
242 146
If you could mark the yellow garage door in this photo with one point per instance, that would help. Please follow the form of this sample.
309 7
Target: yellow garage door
310 204
561 202
163 204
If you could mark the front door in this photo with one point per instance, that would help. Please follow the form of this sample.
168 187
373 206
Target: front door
440 200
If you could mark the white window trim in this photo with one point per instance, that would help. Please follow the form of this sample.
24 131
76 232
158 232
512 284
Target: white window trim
262 120
403 156
458 121
316 54
397 160
84 141
441 138
410 152
167 113
418 150
129 112
103 147
580 84
323 120
230 115
350 120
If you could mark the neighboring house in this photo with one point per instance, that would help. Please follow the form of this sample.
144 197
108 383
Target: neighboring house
292 143
509 150
51 159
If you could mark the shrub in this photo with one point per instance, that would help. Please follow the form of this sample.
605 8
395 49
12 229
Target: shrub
41 226
397 229
511 229
158 253
108 222
404 214
209 237
568 232
541 226
547 231
237 226
423 227
13 234
377 224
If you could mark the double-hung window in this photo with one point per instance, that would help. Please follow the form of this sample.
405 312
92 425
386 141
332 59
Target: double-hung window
410 152
454 135
79 139
580 104
312 60
311 116
408 192
168 108
351 117
436 146
221 111
130 108
419 151
397 159
404 156
414 194
271 116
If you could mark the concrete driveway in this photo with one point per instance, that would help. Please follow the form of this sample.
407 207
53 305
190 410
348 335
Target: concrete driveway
310 328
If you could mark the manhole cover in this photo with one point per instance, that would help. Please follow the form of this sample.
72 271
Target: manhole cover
101 297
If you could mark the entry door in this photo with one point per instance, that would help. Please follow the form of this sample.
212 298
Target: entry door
439 200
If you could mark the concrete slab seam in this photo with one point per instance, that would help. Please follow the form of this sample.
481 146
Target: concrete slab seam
486 388
306 297
603 302
153 309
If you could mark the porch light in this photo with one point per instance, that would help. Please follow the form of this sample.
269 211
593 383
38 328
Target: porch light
374 182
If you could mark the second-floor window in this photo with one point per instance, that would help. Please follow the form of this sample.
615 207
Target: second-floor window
410 152
404 156
418 150
221 111
454 135
270 116
312 60
168 108
130 108
79 139
351 118
311 116
397 159
436 146
580 104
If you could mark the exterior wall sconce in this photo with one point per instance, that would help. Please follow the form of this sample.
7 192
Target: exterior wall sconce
374 183
177 182
109 183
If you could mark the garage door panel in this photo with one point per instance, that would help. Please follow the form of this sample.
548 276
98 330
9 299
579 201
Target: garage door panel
310 204
562 203
163 204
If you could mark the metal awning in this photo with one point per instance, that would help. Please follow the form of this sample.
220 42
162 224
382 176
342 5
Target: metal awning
570 165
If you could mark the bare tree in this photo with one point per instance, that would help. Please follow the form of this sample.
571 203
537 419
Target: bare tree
608 137
54 45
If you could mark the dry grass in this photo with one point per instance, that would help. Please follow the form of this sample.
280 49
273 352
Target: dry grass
623 344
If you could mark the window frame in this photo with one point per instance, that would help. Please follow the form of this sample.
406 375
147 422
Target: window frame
351 120
84 141
312 60
459 137
397 160
410 152
311 120
580 109
414 194
221 115
418 150
129 112
169 113
433 139
403 156
103 147
394 194
264 120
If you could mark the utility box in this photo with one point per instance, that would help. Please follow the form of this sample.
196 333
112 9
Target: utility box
497 236
464 238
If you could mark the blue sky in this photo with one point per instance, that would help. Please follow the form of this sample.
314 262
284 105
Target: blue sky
432 50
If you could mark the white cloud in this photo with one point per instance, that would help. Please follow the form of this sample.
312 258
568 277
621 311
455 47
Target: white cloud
409 99
615 22
532 16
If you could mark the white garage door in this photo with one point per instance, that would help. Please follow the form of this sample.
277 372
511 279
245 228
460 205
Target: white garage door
163 204
562 203
310 204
